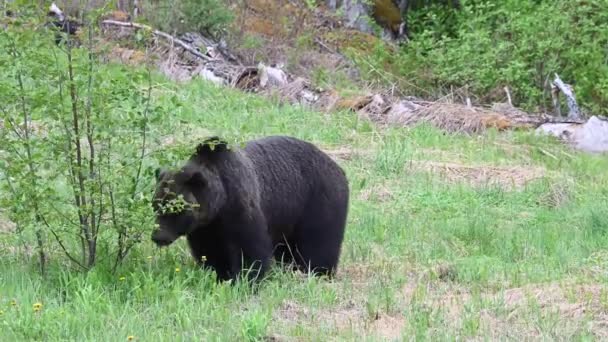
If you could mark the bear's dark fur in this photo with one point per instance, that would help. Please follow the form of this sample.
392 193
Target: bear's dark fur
278 196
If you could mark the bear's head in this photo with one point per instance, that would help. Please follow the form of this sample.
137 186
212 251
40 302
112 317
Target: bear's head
191 197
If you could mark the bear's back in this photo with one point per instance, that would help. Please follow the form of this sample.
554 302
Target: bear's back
290 173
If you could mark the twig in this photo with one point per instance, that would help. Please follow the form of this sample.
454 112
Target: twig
65 251
89 135
547 153
321 44
70 156
12 124
81 195
167 36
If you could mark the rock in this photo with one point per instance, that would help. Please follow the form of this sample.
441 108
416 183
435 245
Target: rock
210 76
355 13
591 136
307 97
271 76
401 112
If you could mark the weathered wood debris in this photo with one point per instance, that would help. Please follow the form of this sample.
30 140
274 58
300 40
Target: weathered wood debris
192 55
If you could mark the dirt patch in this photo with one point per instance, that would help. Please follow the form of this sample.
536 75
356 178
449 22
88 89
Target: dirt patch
389 327
569 300
349 317
341 318
576 304
508 178
507 313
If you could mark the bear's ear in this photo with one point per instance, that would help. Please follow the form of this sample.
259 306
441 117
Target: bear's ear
211 146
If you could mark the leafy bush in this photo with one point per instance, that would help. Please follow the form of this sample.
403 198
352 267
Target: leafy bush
521 44
76 157
209 17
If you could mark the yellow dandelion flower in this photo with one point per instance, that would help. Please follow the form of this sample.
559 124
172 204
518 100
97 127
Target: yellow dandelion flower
37 307
203 258
122 278
177 269
130 338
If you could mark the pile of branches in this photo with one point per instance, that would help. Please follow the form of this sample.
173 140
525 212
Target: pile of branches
192 55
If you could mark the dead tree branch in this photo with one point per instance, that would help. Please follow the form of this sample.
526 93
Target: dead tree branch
559 86
167 36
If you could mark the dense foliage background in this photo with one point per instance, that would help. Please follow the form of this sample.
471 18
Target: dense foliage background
487 45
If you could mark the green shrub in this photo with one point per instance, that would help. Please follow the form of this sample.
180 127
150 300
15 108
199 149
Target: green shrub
209 17
521 44
76 154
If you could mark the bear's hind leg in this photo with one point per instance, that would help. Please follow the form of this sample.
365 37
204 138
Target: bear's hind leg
318 239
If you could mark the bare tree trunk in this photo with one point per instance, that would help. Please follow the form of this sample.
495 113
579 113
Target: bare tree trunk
136 9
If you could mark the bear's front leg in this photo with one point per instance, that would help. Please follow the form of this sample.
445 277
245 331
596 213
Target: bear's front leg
212 250
253 244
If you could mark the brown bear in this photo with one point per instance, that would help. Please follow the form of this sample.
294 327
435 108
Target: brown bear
278 196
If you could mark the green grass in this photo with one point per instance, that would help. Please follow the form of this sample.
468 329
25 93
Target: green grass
425 256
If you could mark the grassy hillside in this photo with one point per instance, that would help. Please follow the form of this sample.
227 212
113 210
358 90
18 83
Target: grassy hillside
496 236
448 237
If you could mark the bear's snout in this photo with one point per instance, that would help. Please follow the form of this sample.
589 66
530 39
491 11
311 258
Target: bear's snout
163 238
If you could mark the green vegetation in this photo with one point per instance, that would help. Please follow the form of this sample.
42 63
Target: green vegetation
487 45
449 236
209 17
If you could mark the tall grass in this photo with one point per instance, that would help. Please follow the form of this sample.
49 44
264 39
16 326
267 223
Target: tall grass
412 236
